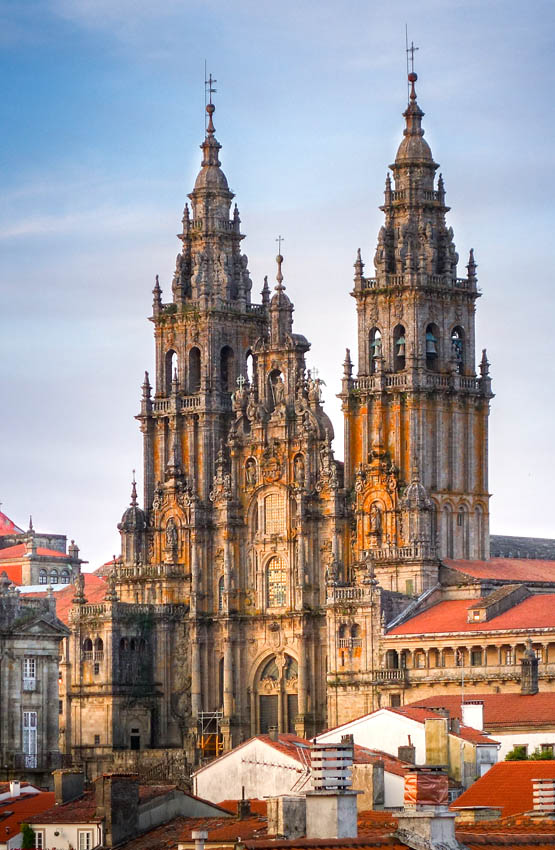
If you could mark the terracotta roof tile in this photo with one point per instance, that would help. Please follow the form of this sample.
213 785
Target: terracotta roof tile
95 591
506 569
12 553
507 785
536 612
7 526
17 810
13 571
258 807
82 810
502 710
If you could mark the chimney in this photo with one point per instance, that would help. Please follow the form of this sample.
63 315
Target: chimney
117 803
273 733
425 820
243 806
544 797
68 785
15 788
436 731
287 817
473 714
331 807
407 752
199 836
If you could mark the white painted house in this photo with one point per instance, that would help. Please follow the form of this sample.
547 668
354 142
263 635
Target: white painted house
267 766
466 752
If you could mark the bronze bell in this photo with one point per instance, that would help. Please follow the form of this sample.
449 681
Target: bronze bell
401 346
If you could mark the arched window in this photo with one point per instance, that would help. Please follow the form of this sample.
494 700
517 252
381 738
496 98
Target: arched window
355 634
270 671
226 369
342 635
399 348
194 370
448 530
479 533
43 577
98 649
123 645
457 347
87 649
170 367
276 572
221 594
64 577
132 644
291 670
432 352
391 659
375 348
274 514
53 576
462 525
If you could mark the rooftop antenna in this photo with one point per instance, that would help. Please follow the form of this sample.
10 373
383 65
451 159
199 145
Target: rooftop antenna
410 60
209 90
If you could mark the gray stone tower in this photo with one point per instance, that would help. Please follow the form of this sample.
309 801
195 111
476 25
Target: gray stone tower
416 415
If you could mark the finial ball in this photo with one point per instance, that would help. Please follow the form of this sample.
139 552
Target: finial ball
413 76
210 108
279 259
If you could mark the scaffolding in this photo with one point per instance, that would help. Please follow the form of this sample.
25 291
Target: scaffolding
210 737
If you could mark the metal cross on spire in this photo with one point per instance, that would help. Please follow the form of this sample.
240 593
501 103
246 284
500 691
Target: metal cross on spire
279 240
210 90
410 51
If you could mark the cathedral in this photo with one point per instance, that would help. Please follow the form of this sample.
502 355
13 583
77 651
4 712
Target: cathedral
263 583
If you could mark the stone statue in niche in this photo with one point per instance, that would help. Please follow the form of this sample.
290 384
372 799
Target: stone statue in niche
375 519
299 471
250 472
278 388
171 534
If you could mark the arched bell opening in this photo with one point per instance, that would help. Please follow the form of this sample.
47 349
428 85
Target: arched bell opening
194 370
399 348
432 347
170 368
375 349
226 369
458 348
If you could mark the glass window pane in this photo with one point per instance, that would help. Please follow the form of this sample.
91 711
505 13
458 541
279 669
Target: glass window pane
277 582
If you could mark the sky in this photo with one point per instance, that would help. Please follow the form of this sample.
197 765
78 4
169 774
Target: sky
102 112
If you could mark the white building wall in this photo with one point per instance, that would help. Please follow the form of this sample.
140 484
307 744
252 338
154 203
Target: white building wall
530 739
394 790
261 769
67 834
383 730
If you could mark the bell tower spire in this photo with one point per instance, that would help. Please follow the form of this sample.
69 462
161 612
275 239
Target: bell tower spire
416 415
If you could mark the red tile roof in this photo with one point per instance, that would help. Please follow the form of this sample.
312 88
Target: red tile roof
7 526
258 807
17 810
507 785
13 571
536 612
95 591
502 710
12 553
82 810
506 569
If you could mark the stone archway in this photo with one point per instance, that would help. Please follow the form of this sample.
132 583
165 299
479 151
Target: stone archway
276 694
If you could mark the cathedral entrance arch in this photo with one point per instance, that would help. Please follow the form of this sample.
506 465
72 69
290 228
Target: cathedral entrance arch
276 694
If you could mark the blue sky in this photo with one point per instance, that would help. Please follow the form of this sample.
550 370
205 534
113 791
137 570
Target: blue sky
103 113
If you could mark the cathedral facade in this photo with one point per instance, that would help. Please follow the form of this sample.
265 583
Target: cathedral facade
257 581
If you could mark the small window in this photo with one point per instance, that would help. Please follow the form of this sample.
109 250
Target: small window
409 587
60 706
53 576
96 668
97 740
85 840
87 649
29 668
395 700
64 577
43 579
547 749
507 656
476 658
476 616
39 839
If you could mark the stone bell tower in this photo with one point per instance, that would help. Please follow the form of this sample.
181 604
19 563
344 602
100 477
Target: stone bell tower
416 415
